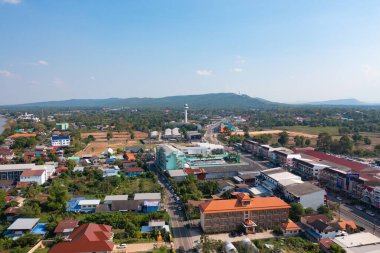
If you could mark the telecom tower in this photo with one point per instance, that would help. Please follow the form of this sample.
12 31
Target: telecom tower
186 108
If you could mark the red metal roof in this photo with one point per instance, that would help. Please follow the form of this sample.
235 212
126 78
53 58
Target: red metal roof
333 159
87 238
129 170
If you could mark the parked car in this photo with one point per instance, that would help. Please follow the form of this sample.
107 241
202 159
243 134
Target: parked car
359 207
369 212
339 198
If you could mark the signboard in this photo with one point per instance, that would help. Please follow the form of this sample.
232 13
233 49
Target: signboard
339 182
353 175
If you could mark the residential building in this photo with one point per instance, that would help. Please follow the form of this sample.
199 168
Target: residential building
62 126
307 169
66 227
348 226
307 194
109 199
60 141
230 214
155 225
251 146
14 171
37 176
283 157
21 226
290 228
91 237
6 154
319 227
82 205
132 172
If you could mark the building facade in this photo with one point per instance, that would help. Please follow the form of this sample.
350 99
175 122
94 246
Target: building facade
243 212
60 141
307 169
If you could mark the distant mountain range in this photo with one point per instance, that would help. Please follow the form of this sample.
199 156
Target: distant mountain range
344 102
211 101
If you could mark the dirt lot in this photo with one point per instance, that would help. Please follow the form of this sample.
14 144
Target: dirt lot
119 140
276 132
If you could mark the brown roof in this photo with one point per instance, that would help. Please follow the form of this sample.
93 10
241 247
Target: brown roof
21 185
311 218
12 210
32 173
326 243
65 225
129 170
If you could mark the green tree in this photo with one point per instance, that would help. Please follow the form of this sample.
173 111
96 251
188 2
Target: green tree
309 211
377 148
356 137
283 138
367 141
345 144
296 211
324 142
299 141
58 196
307 142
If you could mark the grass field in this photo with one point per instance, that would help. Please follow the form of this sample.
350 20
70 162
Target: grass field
311 130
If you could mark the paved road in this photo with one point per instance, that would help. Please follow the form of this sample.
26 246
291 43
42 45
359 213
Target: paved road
371 224
182 238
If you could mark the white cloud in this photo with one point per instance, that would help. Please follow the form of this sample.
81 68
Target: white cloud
92 77
5 73
14 2
371 72
238 70
42 62
203 72
34 82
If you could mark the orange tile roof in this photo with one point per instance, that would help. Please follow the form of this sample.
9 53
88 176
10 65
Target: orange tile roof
231 205
130 156
347 223
290 226
22 135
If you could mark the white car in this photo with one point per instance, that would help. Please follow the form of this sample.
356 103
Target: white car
359 208
370 213
339 198
122 246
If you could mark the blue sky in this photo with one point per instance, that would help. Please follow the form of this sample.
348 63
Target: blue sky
286 51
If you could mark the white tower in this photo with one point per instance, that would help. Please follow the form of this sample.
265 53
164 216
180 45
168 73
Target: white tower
186 108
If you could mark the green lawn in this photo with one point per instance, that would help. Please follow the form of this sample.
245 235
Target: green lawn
311 130
44 250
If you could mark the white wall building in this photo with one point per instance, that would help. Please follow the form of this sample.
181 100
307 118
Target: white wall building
307 194
60 141
38 176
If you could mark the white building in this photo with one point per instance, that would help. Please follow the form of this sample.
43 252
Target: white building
88 205
307 168
359 243
38 176
60 141
307 194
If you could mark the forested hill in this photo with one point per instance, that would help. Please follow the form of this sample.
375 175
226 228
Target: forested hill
212 101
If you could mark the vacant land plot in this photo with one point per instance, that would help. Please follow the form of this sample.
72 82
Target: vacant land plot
98 147
276 132
116 136
312 130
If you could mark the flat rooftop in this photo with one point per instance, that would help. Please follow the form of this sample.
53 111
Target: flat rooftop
302 189
358 240
147 196
24 224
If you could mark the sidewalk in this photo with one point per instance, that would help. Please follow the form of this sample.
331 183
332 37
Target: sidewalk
143 247
226 237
